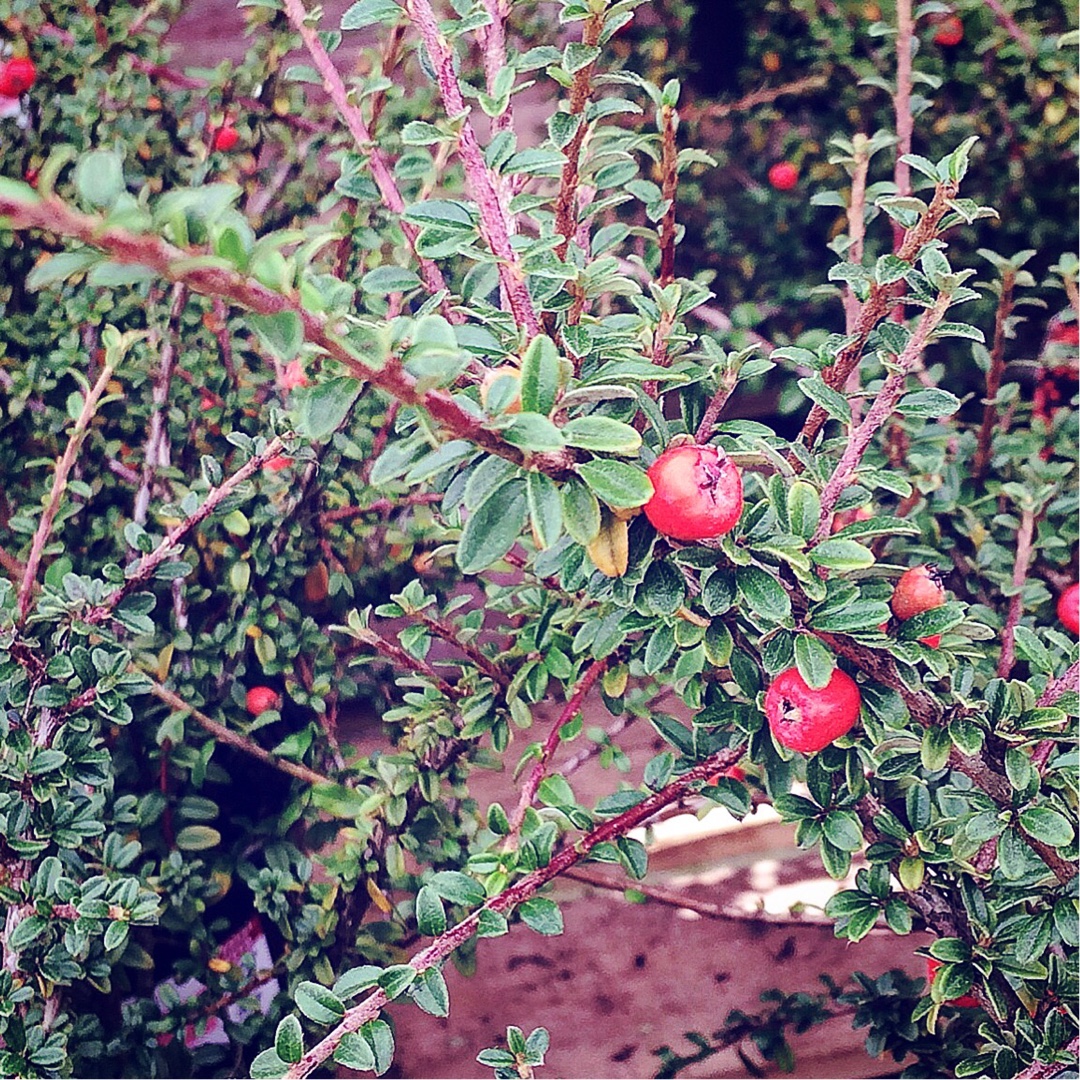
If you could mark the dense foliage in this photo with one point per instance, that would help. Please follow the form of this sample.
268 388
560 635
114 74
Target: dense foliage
293 347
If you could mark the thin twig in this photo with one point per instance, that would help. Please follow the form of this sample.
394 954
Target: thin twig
905 121
379 506
669 170
856 225
672 898
157 454
1016 602
493 43
509 898
171 546
381 170
874 310
175 264
566 202
234 739
764 96
403 660
1055 688
1015 31
495 227
880 411
551 743
63 470
451 637
724 391
994 376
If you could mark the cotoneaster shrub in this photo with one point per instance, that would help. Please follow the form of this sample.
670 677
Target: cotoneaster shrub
266 401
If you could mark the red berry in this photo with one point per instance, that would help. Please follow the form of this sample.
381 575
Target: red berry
919 589
807 720
31 177
1068 609
932 641
277 463
697 493
783 176
225 138
262 699
293 375
965 1001
17 76
734 773
849 517
950 31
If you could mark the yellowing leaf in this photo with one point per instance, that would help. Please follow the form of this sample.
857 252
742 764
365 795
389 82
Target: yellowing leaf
610 551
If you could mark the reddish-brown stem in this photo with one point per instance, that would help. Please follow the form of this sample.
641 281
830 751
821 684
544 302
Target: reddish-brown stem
765 96
495 227
669 155
63 470
874 310
715 407
994 376
880 411
1015 31
381 170
379 506
1069 681
406 662
856 226
170 547
551 744
175 264
451 637
905 121
566 202
493 43
157 453
509 898
234 739
1016 602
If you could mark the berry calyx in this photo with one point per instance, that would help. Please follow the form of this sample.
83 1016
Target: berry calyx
1068 609
965 1001
225 138
262 699
807 719
950 31
783 176
697 493
17 76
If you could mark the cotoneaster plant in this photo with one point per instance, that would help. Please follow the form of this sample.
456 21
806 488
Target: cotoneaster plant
478 579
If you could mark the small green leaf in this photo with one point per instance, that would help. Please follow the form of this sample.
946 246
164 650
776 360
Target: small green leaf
99 178
815 663
458 888
430 914
1047 825
431 994
540 375
318 411
763 593
355 1053
581 512
842 555
197 838
545 508
804 508
541 915
281 334
930 403
616 483
384 280
289 1040
493 527
268 1066
318 1004
602 434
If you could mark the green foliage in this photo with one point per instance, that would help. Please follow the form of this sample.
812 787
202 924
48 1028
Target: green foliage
252 439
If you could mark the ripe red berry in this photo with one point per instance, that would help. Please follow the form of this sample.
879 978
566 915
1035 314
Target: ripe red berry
17 76
965 1001
849 517
262 699
225 138
734 773
807 720
697 493
919 589
783 176
950 31
277 463
1068 609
